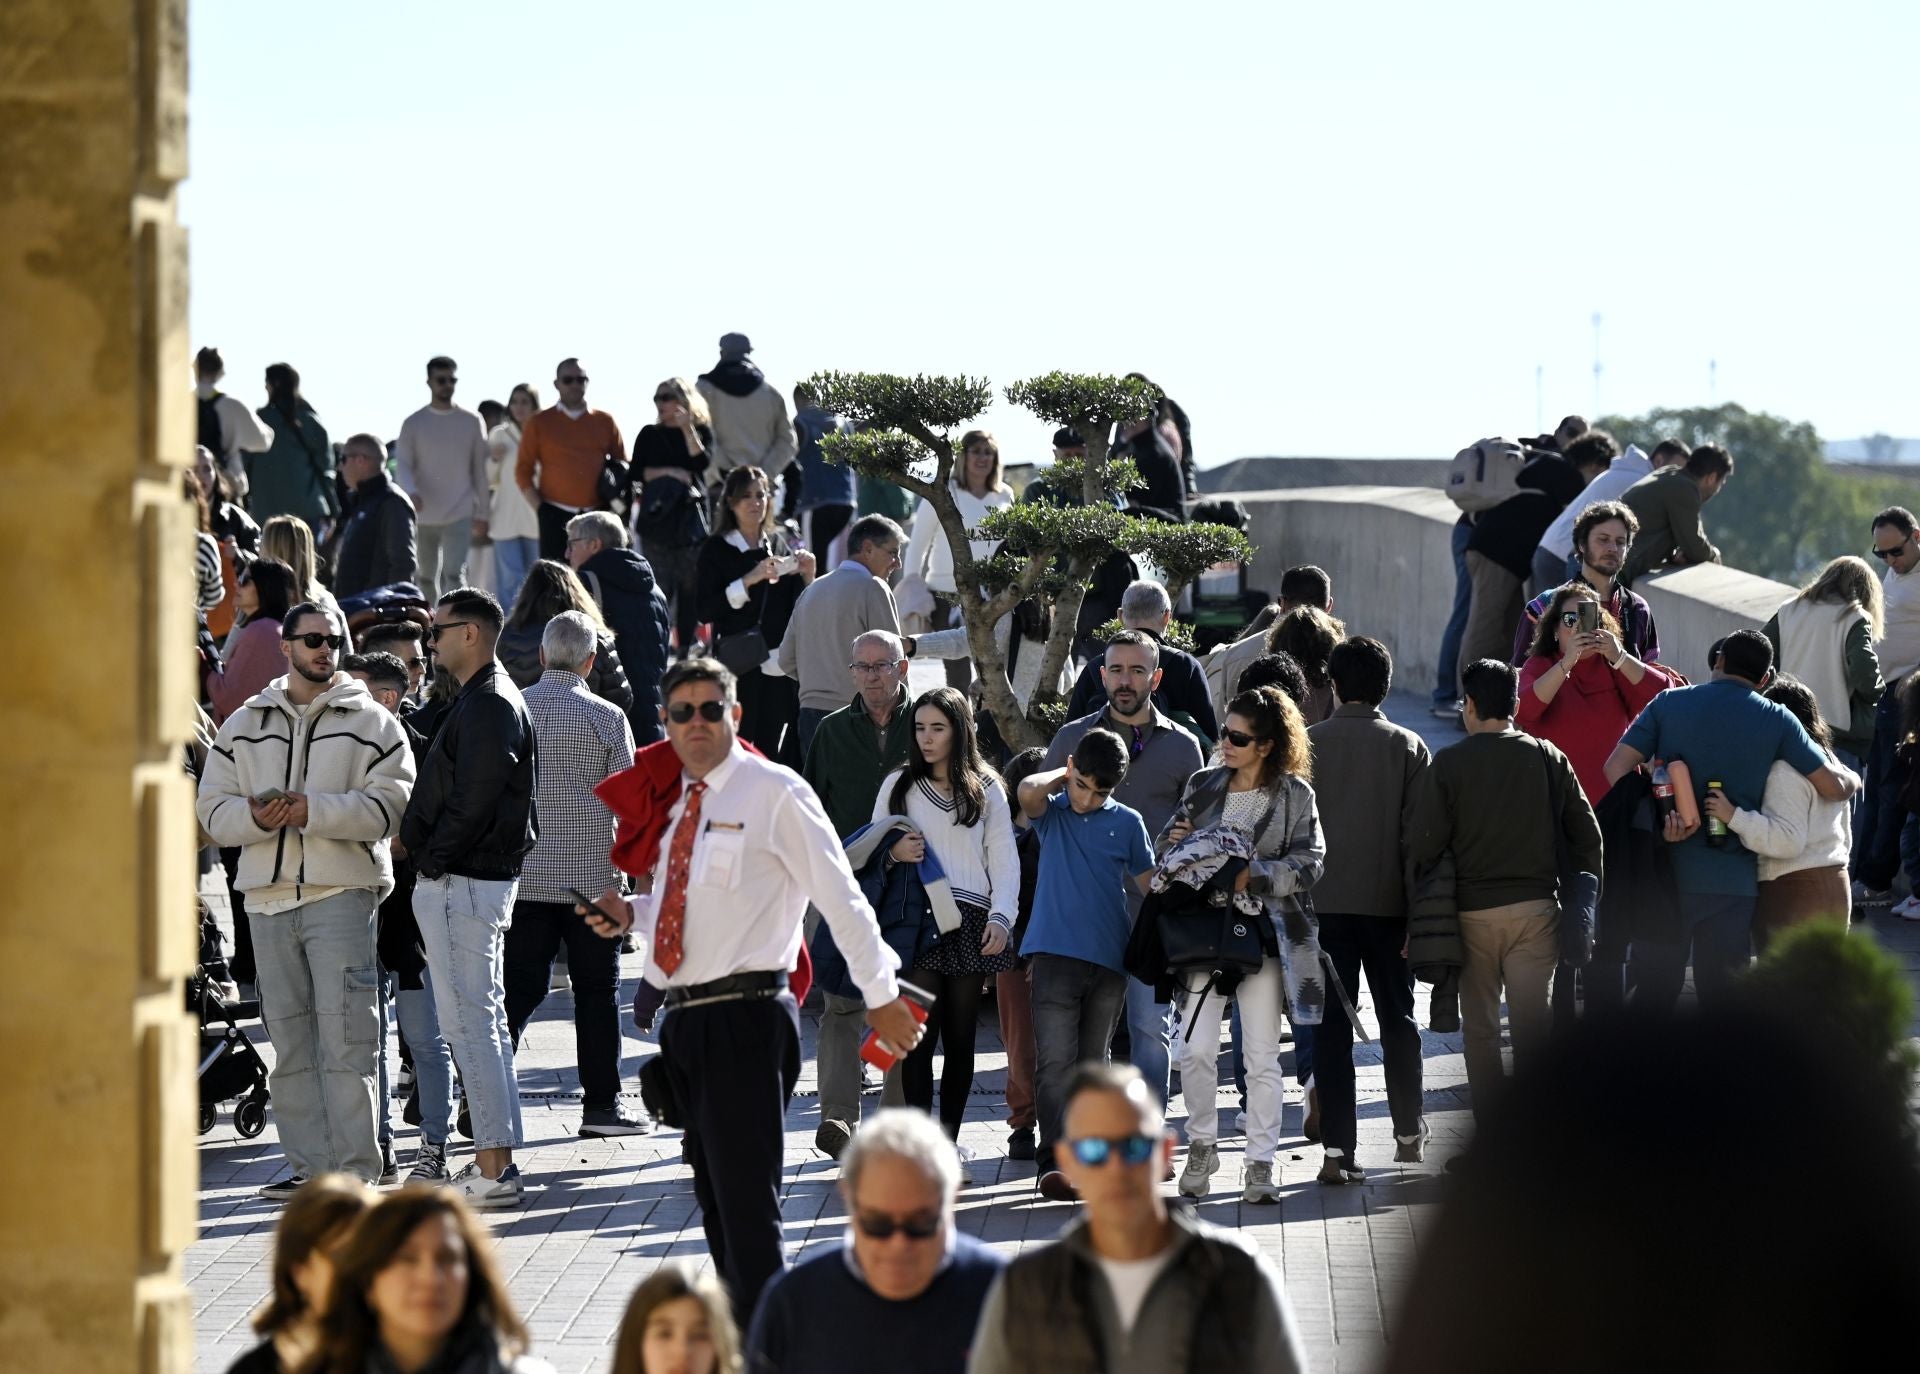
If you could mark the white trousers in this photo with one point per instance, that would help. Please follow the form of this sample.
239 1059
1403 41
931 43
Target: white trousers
1262 1020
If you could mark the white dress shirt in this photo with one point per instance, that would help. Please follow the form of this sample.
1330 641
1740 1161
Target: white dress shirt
764 851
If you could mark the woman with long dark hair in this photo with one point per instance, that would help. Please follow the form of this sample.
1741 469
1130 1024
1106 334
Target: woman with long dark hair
669 512
548 589
748 578
959 813
264 590
416 1289
1262 786
314 1226
678 1322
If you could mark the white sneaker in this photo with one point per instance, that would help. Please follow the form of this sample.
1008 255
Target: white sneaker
1203 1162
1260 1187
489 1194
1909 910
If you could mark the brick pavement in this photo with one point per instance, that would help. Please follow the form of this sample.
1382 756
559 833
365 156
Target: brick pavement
601 1214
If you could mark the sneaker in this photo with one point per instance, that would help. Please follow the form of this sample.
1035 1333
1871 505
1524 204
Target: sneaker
1310 1127
1864 896
429 1164
1021 1146
1337 1170
389 1166
871 1079
1445 710
1203 1162
284 1187
832 1137
1908 910
622 1118
1055 1188
1411 1149
1260 1187
489 1194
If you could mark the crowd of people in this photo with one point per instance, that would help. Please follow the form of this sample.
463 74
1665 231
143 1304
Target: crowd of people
678 720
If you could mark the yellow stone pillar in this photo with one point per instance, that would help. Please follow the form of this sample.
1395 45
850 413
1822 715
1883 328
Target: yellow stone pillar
97 1096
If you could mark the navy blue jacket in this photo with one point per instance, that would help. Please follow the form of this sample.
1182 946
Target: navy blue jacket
899 902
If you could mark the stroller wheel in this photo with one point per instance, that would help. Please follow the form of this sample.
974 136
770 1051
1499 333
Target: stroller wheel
208 1115
250 1115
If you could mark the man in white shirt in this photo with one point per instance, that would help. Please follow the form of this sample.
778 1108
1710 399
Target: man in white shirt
440 460
1876 831
747 846
1553 560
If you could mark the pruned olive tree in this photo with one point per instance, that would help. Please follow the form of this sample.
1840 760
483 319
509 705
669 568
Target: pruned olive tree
908 434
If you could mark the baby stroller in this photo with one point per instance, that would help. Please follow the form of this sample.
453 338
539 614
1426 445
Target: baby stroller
230 1064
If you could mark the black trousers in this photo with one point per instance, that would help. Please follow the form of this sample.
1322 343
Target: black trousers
733 1066
1372 943
538 932
241 965
553 530
953 1023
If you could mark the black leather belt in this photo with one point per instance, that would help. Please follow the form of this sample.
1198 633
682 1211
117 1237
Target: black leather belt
738 987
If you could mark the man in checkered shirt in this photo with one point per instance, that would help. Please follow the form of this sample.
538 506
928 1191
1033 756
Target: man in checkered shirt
581 740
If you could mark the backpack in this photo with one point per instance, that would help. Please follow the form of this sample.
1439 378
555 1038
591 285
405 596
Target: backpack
1483 475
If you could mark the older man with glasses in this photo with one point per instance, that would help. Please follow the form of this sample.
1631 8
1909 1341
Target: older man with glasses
905 1290
569 457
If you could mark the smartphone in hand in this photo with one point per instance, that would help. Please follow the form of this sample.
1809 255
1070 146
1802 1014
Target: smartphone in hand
594 907
272 794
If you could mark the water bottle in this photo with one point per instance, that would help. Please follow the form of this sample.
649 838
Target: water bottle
1663 802
1717 831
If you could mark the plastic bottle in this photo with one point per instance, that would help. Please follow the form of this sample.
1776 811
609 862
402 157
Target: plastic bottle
1717 831
1663 802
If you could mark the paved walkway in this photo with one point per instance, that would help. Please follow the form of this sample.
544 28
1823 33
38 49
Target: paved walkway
601 1214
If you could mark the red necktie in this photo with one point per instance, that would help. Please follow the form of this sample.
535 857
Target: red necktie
670 929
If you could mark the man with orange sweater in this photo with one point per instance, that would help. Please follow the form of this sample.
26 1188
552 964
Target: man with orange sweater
562 453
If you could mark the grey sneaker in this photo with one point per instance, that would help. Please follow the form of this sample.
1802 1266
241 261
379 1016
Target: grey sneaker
429 1165
283 1187
1203 1162
489 1194
832 1137
622 1118
1260 1187
1411 1149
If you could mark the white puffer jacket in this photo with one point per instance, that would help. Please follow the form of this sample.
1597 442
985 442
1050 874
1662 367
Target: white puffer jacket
345 754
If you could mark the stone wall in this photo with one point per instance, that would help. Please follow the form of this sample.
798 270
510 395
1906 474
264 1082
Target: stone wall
1388 552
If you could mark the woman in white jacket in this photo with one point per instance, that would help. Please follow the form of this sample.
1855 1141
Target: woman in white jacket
1801 841
926 568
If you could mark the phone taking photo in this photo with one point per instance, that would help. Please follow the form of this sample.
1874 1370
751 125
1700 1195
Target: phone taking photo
1589 612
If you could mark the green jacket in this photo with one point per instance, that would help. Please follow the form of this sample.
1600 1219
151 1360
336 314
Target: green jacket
295 475
848 759
1667 505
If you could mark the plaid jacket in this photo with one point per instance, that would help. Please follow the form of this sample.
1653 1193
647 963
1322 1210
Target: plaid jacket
582 740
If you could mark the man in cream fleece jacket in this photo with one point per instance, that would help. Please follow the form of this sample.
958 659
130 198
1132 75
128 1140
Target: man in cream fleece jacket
309 779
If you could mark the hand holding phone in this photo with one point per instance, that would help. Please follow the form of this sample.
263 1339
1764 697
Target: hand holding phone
783 566
608 924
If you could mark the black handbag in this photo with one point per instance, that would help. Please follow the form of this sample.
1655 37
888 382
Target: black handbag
745 650
1579 891
1204 932
670 513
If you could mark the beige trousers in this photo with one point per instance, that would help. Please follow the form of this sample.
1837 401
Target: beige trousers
1515 947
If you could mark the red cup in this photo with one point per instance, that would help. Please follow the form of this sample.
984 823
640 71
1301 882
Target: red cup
875 1050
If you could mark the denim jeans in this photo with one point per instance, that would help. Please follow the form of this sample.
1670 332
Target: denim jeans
319 995
1447 676
513 559
1876 849
1076 1005
1150 1032
443 553
463 926
383 1099
539 931
432 1062
1719 932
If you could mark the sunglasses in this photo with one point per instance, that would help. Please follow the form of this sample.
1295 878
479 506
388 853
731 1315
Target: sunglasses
682 711
879 1226
1570 618
665 398
1133 1150
314 641
1888 555
571 381
435 631
416 663
1240 739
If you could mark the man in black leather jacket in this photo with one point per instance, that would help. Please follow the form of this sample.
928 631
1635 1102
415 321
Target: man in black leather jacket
622 582
469 825
376 543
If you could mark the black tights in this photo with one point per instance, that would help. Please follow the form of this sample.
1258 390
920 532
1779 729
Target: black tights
953 1022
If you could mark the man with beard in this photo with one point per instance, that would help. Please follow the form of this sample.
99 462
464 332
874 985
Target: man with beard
750 423
1161 757
1601 537
307 780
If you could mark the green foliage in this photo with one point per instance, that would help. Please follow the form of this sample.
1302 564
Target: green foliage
1005 568
1183 552
888 401
1090 532
1069 475
883 453
1179 634
1786 511
1083 399
1047 718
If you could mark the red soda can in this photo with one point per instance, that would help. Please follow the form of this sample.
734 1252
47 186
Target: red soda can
875 1050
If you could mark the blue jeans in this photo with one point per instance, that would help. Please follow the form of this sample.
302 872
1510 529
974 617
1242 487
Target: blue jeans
1876 849
432 1062
319 995
1076 1005
1719 929
1150 1029
512 560
382 1106
1447 677
463 927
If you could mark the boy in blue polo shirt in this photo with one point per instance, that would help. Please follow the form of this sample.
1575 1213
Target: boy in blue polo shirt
1090 848
1726 733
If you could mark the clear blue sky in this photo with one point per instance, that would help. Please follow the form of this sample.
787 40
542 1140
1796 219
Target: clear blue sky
1351 229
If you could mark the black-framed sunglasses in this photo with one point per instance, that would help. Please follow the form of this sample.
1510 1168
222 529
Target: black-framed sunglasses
880 1226
571 381
1570 618
435 631
711 711
1240 739
314 641
1888 555
665 398
1132 1150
